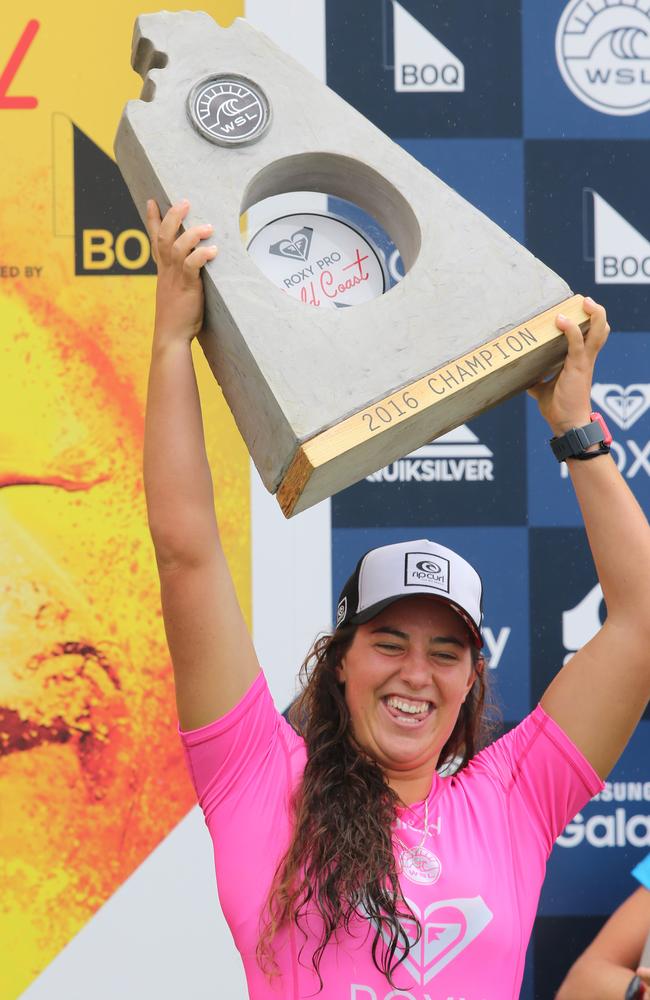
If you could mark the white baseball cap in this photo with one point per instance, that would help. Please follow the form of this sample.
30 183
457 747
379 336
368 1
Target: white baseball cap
390 572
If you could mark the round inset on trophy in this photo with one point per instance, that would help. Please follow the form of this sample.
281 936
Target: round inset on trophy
229 110
321 260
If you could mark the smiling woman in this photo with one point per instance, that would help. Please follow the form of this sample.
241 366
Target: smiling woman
347 865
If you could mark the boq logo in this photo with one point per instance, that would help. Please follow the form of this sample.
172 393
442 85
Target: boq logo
320 260
603 53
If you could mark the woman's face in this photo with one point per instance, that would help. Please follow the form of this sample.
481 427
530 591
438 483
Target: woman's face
406 675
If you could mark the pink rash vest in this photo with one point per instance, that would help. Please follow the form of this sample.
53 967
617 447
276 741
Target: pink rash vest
475 888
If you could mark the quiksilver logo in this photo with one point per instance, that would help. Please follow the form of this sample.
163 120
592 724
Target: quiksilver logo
455 457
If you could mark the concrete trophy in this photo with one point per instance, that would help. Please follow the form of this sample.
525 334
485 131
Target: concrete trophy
325 396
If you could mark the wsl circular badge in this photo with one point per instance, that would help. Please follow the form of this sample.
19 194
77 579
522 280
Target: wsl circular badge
603 53
319 259
420 865
229 110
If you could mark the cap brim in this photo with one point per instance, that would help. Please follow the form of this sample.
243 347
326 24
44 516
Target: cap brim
375 609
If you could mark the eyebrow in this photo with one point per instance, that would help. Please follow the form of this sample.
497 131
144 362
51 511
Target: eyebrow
404 635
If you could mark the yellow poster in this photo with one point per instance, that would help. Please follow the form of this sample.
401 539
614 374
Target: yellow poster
91 774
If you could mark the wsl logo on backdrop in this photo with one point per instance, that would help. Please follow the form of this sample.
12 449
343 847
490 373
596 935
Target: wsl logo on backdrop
621 254
421 63
603 53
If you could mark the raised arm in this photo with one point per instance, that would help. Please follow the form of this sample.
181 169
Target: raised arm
211 649
604 971
599 696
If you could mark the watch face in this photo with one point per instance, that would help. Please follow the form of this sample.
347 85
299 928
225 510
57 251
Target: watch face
319 259
229 110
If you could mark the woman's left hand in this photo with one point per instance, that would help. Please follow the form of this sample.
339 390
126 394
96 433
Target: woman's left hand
565 401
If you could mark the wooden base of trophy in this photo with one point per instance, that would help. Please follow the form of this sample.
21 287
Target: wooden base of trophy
425 409
323 396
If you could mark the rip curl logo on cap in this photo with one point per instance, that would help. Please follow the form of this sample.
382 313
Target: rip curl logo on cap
341 611
423 569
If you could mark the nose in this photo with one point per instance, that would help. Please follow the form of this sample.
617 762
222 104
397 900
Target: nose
416 670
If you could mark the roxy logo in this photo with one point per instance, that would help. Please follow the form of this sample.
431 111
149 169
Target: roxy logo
422 570
421 63
623 404
341 611
603 53
296 247
448 927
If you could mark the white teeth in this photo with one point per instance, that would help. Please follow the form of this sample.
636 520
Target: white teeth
412 707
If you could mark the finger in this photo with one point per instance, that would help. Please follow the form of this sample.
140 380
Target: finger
189 240
599 329
169 227
197 259
573 334
152 220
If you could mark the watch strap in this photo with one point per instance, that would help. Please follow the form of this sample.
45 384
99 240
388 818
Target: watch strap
576 442
635 990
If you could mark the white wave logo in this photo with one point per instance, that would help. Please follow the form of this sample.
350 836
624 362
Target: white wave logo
421 63
624 404
603 53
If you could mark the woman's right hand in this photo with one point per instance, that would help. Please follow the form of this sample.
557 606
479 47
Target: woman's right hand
179 259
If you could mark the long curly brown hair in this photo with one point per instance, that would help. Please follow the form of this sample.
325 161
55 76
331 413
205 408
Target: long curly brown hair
340 862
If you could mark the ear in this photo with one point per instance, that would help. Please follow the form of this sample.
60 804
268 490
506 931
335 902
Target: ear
477 670
340 671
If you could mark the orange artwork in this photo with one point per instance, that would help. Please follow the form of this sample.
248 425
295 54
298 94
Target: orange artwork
91 773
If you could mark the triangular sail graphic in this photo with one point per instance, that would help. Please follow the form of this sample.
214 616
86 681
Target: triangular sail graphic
622 254
422 64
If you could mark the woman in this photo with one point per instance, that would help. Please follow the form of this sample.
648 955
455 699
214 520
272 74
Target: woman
345 863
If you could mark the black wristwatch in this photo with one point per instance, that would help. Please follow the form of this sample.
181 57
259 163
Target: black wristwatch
575 442
636 990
